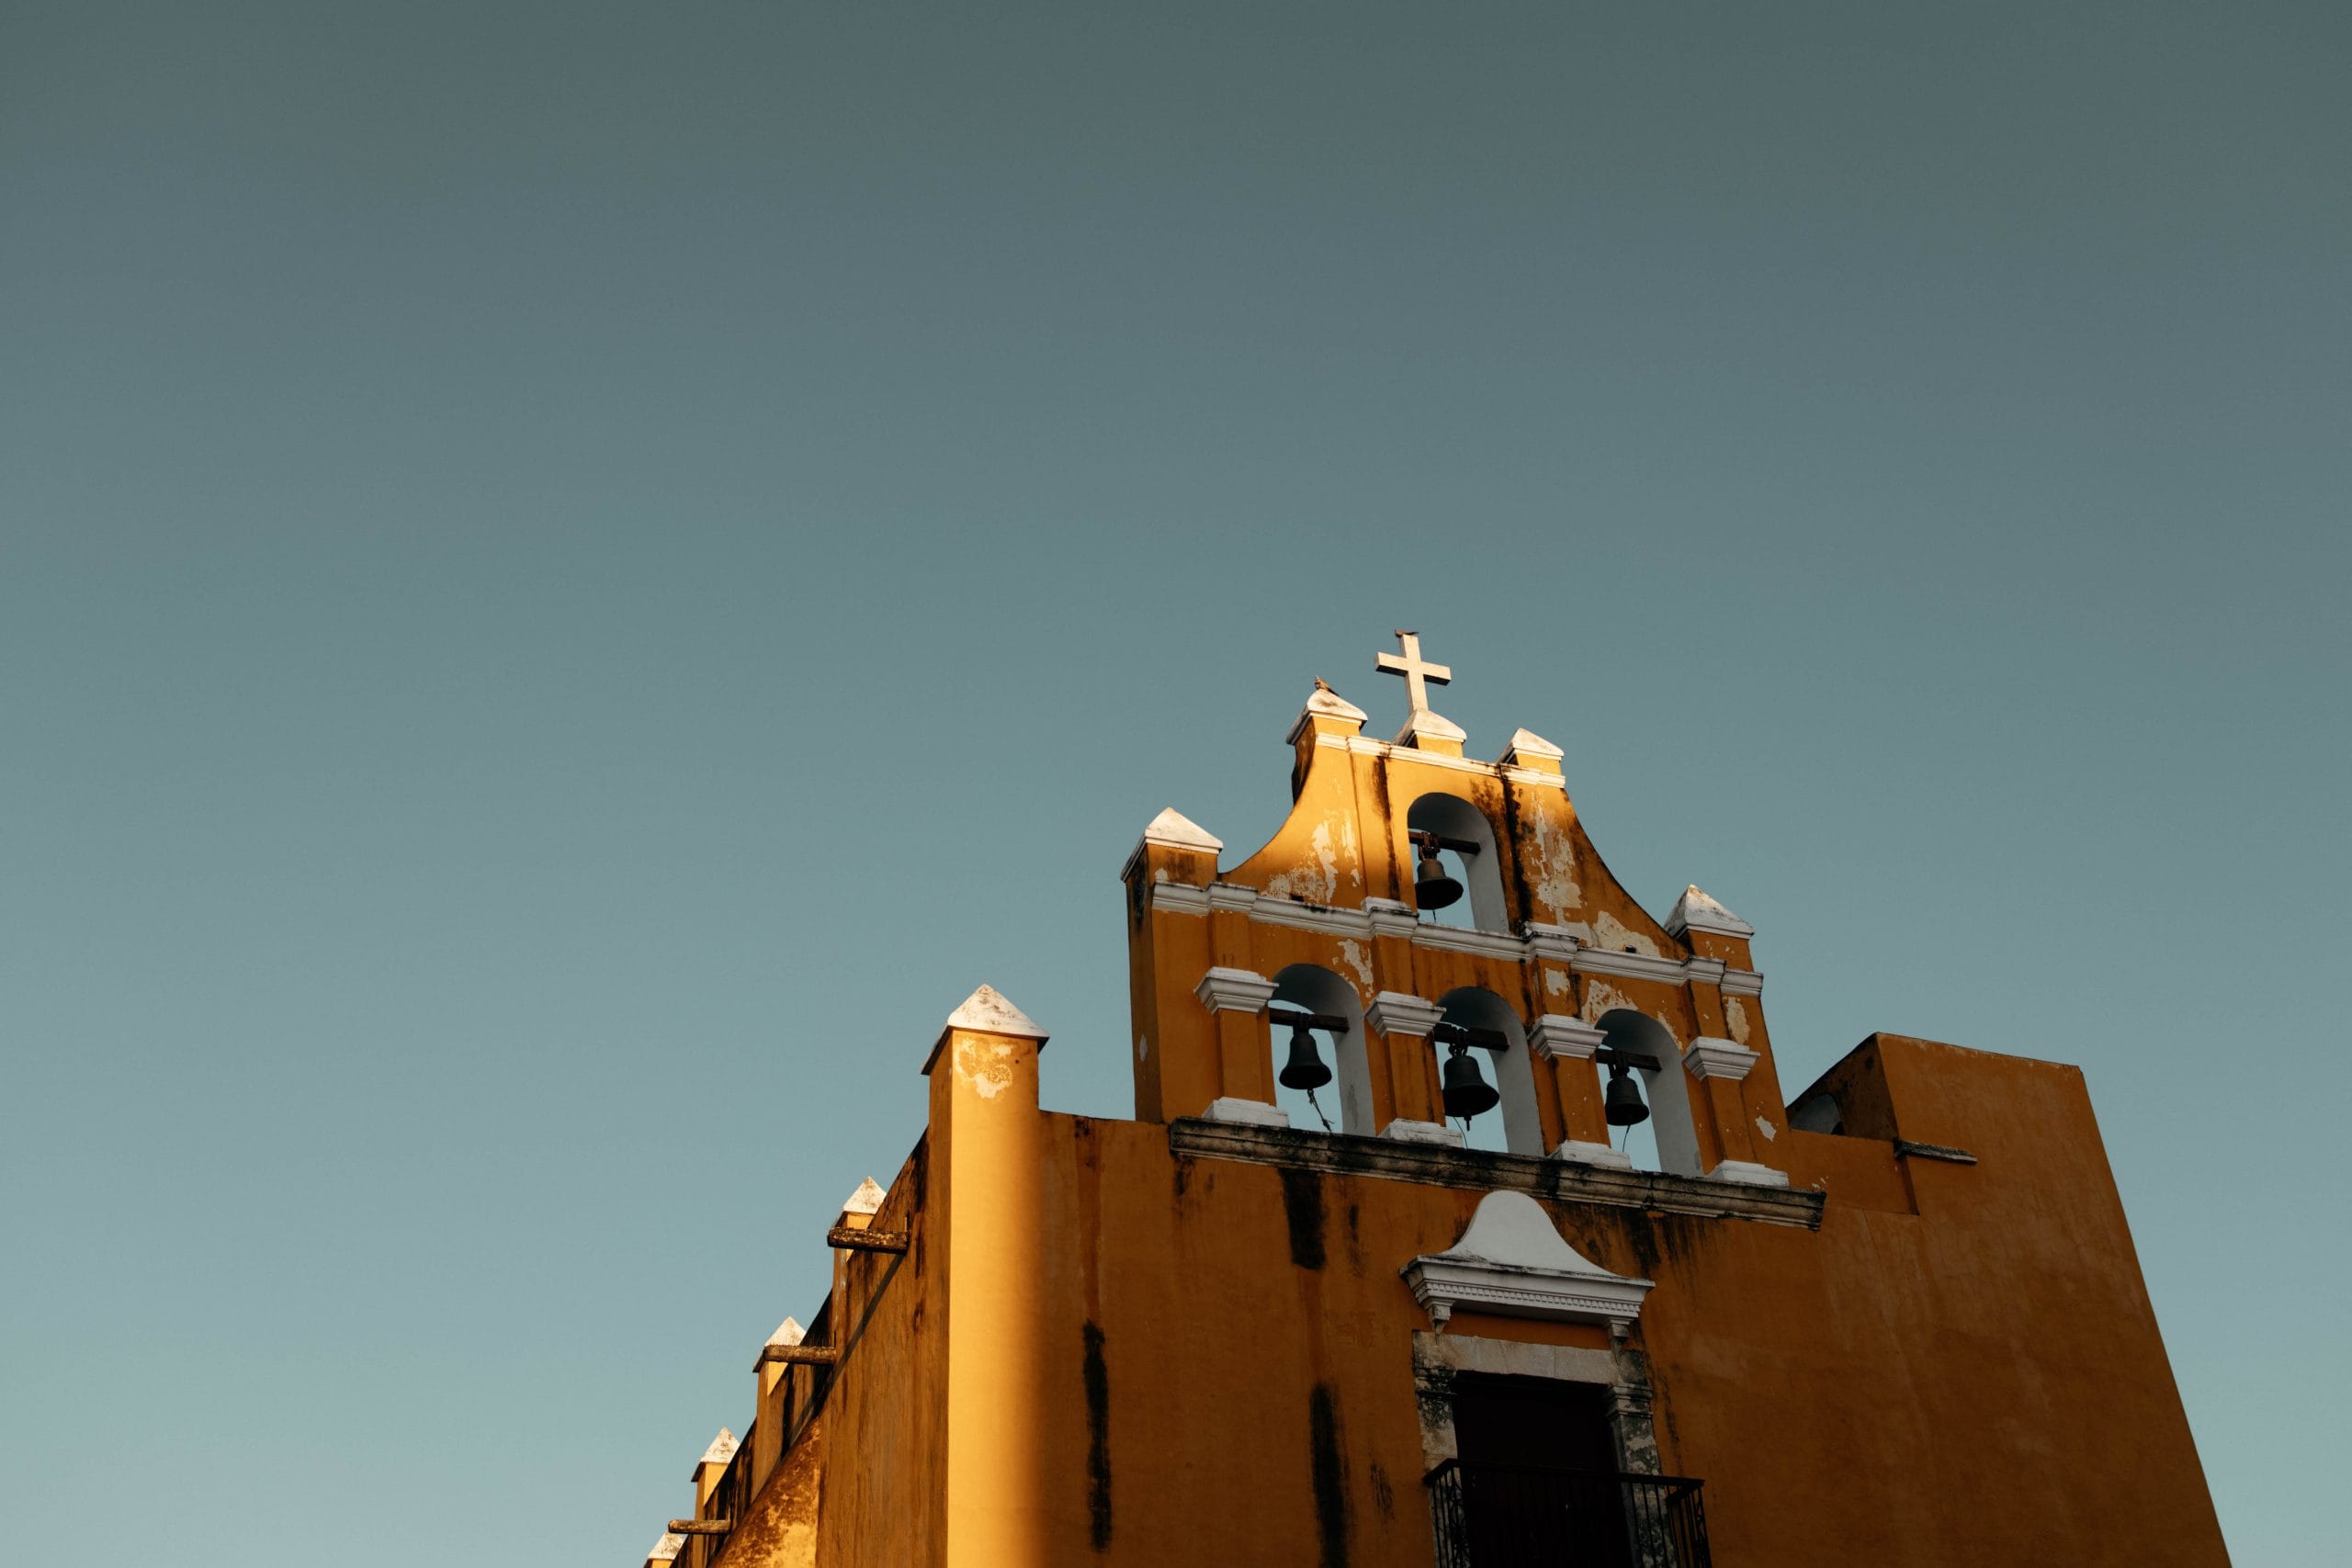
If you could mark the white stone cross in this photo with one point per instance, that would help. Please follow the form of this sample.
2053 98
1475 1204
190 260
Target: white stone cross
1415 668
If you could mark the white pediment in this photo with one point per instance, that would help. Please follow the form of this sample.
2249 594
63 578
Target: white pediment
1512 1260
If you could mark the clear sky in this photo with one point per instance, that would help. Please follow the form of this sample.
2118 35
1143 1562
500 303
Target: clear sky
573 576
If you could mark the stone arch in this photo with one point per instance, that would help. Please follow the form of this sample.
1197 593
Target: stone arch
1511 1069
1479 868
1664 1087
1310 987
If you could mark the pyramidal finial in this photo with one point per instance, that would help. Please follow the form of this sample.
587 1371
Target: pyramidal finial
789 1332
1695 911
1324 703
722 1449
1174 828
868 1197
1527 743
666 1549
986 1011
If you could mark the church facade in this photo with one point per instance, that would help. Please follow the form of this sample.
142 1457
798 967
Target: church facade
1463 1222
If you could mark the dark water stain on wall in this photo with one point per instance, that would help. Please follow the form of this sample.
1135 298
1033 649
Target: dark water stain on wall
1098 1441
1302 1208
1330 1472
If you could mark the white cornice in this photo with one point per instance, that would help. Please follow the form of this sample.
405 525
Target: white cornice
1626 965
1512 1260
1251 1113
1232 896
1234 990
1709 1058
1555 1036
1454 939
1749 1174
1594 1154
1364 747
1384 916
1394 1012
1180 898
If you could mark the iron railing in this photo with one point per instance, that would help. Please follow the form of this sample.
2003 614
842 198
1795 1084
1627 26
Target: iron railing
1522 1516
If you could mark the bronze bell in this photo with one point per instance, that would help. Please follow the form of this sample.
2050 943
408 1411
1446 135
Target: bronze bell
1304 1069
1466 1090
1433 889
1624 1101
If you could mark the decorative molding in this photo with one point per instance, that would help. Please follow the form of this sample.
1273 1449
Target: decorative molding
1556 942
1512 1260
1234 990
1363 746
1696 912
1486 1170
1179 899
1436 1133
1626 965
1455 939
1394 1012
1905 1146
1247 1112
1709 1058
1556 1035
1387 916
1594 1154
1232 896
1749 1173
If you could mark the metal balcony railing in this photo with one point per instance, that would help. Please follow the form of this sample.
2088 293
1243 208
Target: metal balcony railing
1516 1516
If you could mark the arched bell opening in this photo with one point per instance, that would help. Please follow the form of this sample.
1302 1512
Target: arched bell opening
1317 1020
1456 877
1480 1041
1639 1057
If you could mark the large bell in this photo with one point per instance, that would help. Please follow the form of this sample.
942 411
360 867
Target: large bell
1624 1102
1467 1093
1433 889
1304 1069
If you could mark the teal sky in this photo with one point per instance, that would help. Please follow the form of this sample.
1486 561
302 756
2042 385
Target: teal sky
572 577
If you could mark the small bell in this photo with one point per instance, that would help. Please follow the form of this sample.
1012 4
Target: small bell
1466 1090
1623 1103
1433 889
1304 1069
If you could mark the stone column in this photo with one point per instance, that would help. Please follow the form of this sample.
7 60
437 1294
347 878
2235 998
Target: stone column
1569 1044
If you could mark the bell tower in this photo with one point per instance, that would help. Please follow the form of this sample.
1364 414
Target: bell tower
1560 981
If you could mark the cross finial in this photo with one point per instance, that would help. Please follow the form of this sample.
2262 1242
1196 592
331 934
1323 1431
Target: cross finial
1415 670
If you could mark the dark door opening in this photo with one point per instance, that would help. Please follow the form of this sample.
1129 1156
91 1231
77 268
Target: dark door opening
1535 1482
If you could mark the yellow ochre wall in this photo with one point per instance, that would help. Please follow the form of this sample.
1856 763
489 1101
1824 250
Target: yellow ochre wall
1101 1347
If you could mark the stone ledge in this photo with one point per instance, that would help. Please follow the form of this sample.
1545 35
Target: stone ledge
1483 1170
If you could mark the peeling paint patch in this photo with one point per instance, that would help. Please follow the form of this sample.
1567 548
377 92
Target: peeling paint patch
1143 1046
985 1064
1556 982
1767 1128
1315 883
1735 1017
1611 933
1600 996
1160 876
1351 952
1549 864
